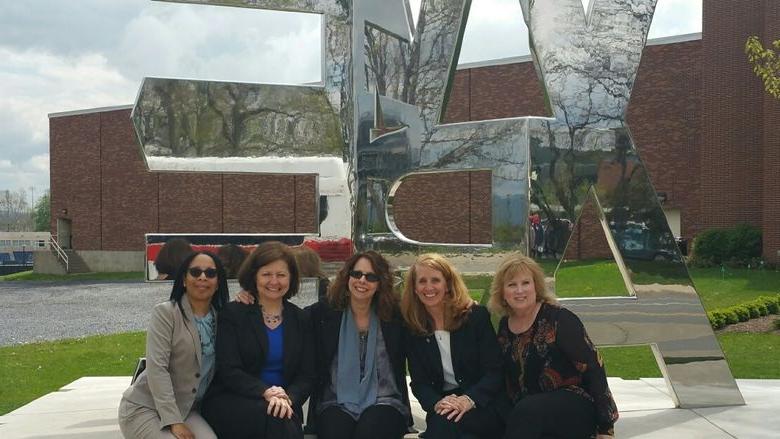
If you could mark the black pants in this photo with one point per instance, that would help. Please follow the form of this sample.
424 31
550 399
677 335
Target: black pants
376 422
477 423
235 417
558 414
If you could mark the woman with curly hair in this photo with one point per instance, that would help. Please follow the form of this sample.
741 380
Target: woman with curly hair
361 389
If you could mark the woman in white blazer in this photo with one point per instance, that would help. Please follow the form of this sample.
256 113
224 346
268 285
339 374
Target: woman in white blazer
164 401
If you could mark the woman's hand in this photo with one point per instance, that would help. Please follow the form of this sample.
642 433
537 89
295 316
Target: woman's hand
181 431
454 407
245 298
276 392
279 408
605 436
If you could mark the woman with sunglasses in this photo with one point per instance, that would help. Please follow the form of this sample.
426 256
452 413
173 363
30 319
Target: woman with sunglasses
361 389
164 401
454 358
265 353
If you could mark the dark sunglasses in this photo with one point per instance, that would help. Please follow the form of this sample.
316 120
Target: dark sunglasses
371 277
210 273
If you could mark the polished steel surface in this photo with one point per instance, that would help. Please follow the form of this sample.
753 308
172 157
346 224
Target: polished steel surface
380 107
587 64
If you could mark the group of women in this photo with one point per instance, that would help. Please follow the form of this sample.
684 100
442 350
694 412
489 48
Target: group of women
244 369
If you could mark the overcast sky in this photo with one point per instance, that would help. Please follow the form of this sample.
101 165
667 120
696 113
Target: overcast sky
63 55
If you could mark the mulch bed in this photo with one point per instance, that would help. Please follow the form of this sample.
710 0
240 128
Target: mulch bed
761 324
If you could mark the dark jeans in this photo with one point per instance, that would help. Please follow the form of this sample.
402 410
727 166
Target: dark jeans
557 414
477 423
235 417
376 422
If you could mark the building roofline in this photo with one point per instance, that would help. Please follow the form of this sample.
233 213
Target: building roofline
90 111
527 58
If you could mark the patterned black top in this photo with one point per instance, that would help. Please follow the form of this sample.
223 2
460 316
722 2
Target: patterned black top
556 353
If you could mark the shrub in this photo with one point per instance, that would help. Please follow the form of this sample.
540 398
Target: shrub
752 308
717 319
777 324
731 316
739 246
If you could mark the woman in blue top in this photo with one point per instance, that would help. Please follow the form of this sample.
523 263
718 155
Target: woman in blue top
265 353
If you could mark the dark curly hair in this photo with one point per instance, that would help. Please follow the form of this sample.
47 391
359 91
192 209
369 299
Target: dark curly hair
385 299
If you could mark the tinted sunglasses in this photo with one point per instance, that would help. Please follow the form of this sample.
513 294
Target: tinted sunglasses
210 273
371 277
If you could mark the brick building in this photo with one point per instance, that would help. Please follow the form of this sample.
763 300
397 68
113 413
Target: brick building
705 129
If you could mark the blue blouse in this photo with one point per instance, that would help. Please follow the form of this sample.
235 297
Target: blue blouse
272 373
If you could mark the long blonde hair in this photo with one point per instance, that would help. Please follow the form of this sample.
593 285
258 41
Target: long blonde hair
509 268
457 301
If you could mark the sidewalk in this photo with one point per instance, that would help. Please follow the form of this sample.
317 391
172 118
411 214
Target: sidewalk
86 409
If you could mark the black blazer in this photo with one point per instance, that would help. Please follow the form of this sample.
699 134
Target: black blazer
242 346
476 361
326 323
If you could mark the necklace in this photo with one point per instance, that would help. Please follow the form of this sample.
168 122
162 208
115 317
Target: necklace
272 319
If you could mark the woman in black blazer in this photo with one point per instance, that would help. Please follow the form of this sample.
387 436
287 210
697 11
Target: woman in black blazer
265 353
361 373
454 358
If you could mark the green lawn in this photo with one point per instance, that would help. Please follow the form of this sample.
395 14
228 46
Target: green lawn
30 276
717 289
30 371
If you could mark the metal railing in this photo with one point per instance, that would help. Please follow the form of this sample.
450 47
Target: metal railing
55 246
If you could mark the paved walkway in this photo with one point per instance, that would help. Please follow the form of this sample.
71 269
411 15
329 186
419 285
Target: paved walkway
36 311
87 409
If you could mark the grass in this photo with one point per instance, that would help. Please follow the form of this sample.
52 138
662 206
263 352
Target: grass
30 276
33 370
716 289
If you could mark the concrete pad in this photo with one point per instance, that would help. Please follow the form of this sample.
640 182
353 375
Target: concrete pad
87 408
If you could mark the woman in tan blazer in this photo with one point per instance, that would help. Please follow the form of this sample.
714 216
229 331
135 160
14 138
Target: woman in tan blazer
164 401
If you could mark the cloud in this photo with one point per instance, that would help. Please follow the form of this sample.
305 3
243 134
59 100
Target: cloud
676 17
33 172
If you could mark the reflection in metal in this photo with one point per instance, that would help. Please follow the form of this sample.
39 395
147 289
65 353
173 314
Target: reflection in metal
388 90
166 251
588 66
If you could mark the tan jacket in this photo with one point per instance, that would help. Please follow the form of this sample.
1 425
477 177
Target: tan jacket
173 357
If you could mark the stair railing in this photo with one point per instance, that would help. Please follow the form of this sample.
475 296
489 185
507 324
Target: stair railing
61 255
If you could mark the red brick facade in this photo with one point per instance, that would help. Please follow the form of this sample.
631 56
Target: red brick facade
99 181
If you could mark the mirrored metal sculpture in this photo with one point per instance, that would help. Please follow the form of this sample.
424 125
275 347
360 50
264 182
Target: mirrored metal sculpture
386 88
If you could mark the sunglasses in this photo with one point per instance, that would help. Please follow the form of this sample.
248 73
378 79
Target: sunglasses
210 273
371 277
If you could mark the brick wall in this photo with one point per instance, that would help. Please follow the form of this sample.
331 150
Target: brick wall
99 177
771 143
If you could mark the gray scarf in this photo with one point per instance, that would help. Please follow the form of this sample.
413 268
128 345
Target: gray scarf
352 392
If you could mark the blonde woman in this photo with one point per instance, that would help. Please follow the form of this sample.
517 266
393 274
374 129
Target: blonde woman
454 359
555 377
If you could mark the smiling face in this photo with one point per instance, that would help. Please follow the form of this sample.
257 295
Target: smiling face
362 290
520 292
201 288
273 281
430 287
